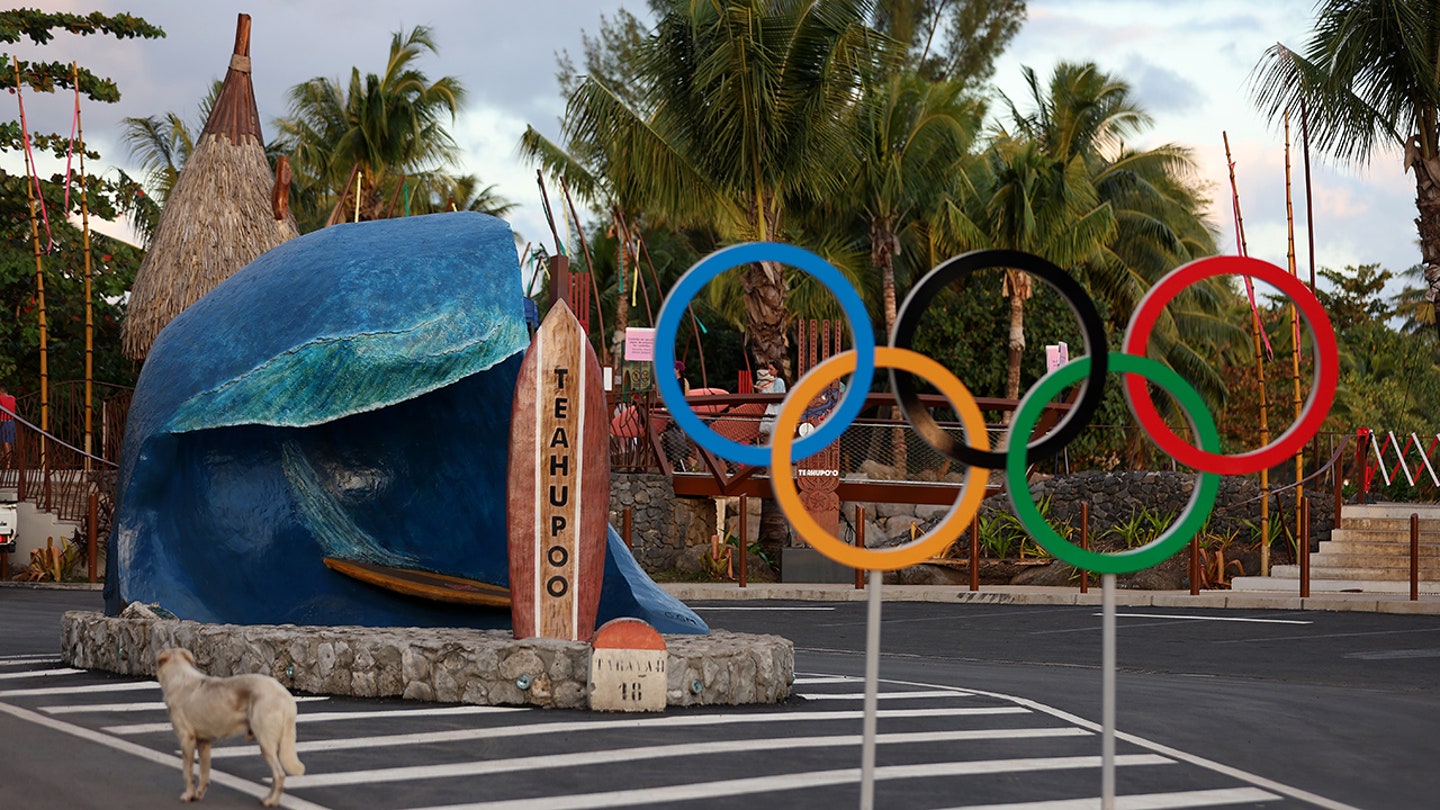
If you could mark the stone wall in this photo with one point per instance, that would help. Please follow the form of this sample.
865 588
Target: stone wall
662 525
450 665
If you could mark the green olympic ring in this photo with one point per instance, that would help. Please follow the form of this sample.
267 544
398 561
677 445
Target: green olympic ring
1191 519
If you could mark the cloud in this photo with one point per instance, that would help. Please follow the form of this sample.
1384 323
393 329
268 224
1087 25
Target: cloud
1161 90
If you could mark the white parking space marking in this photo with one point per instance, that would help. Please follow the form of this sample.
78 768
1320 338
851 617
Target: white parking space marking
675 721
28 659
651 752
120 686
319 717
884 695
1208 618
1394 655
798 781
39 673
768 609
1141 801
81 708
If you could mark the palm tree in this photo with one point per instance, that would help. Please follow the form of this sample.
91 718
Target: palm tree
372 133
1022 198
1085 114
1366 79
748 109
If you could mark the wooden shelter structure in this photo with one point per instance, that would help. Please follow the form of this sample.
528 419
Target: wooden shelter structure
220 216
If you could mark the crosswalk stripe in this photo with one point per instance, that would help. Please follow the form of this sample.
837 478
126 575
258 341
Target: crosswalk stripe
81 708
124 686
217 776
795 781
883 695
674 721
38 673
651 752
317 717
28 658
1142 801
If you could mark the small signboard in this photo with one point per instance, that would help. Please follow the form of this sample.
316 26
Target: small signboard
639 343
628 662
1056 355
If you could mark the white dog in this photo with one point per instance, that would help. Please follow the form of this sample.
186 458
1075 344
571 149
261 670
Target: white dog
204 709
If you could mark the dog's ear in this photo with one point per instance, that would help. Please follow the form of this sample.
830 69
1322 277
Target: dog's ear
187 655
163 657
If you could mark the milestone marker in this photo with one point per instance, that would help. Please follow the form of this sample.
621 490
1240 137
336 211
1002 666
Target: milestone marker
628 668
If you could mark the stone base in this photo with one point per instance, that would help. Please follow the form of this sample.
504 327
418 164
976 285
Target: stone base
809 565
450 665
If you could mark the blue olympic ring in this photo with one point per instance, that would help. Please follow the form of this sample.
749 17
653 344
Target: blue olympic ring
690 285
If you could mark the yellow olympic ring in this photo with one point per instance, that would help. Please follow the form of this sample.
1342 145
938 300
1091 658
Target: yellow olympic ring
787 422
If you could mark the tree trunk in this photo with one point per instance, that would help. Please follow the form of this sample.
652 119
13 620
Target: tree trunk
765 321
1427 203
622 301
765 315
882 255
1019 289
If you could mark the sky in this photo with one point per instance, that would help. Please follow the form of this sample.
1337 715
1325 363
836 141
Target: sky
1188 64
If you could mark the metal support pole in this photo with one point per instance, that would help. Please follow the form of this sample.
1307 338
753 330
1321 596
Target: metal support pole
1195 566
1085 544
627 525
1107 689
872 688
859 543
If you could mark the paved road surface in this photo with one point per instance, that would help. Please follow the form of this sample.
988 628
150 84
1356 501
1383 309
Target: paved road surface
984 706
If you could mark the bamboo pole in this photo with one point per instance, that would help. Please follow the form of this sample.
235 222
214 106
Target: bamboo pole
31 179
89 285
589 268
1310 238
1299 403
1259 373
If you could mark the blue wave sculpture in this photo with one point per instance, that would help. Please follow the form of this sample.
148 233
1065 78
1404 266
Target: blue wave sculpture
347 394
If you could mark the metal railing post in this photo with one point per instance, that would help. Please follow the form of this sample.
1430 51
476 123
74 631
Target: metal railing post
744 539
1414 556
859 543
1085 544
93 515
975 553
1303 548
627 525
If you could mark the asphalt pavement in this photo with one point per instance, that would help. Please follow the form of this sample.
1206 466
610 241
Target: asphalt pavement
1239 707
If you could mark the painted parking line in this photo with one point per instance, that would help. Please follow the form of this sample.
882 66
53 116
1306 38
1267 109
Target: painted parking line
754 608
82 708
1207 618
122 686
1141 801
570 727
799 781
39 673
819 679
320 717
947 693
653 752
28 659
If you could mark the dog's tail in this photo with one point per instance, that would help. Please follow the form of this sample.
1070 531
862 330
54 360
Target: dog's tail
288 760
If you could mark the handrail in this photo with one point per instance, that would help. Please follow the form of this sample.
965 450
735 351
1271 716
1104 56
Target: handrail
52 437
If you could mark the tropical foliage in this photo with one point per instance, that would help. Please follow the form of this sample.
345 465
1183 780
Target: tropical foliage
1365 80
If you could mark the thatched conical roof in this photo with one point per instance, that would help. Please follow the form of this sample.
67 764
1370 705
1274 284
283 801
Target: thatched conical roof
218 218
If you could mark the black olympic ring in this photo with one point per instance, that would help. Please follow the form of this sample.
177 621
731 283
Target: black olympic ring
1092 390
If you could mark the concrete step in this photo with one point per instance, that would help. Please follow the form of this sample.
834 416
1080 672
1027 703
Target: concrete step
1356 572
1389 511
1401 524
1377 548
1291 584
1382 535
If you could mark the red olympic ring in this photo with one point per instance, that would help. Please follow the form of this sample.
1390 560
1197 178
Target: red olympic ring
1317 405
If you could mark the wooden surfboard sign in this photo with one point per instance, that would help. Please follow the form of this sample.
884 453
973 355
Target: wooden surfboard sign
559 484
424 584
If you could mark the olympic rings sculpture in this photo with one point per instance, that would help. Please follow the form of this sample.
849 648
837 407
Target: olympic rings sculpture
1092 368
